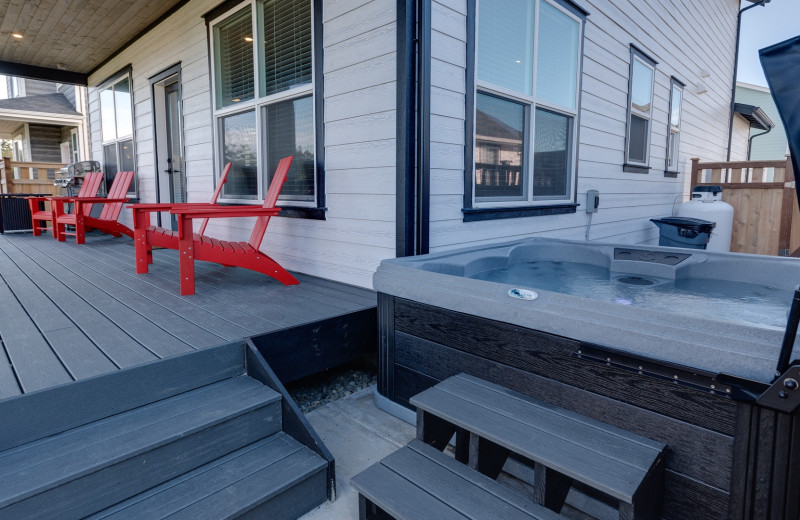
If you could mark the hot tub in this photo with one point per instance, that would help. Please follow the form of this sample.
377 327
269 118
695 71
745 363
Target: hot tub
664 342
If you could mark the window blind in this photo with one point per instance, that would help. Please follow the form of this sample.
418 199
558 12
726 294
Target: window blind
287 45
234 49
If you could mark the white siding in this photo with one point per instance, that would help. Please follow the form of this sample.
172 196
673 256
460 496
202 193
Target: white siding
360 75
741 133
683 40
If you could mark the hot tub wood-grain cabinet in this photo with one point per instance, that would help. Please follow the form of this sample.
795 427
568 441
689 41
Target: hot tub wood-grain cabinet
725 458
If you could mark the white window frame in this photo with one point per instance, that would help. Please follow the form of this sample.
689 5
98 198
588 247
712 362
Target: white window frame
674 84
109 84
644 59
532 103
259 104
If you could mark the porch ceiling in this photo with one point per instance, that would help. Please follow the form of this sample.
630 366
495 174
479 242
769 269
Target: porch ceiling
72 35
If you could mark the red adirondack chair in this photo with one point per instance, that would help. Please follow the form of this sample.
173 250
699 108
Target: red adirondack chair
91 183
106 222
157 236
195 246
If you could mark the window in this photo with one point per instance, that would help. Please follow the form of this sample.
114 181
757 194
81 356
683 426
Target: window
674 125
528 57
640 112
15 91
116 122
264 98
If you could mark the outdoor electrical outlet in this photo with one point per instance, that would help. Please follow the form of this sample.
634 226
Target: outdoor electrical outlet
592 201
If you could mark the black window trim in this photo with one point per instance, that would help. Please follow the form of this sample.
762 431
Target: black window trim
673 82
470 213
317 212
629 167
127 70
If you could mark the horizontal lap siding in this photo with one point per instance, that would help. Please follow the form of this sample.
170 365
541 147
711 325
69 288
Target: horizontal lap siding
359 63
683 40
430 344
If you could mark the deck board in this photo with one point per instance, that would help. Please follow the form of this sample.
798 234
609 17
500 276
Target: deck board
68 312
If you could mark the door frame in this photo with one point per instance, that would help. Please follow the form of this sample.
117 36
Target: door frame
158 85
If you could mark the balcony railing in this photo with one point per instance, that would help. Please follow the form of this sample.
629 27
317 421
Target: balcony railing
28 177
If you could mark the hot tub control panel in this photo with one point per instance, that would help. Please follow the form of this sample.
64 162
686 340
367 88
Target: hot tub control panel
644 255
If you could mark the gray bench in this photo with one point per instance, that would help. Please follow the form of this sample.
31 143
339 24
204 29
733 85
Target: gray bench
490 422
419 482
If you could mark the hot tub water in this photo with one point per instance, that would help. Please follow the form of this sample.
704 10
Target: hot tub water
728 300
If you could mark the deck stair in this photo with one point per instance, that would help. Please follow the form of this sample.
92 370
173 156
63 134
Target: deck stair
196 436
491 423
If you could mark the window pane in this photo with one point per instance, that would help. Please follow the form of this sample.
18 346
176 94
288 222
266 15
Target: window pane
637 139
675 109
122 102
642 87
107 123
290 131
287 44
239 147
672 151
233 54
557 57
551 157
499 135
505 43
110 162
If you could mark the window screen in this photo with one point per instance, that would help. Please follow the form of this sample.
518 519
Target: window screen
290 131
557 57
239 147
637 146
499 135
551 154
234 59
287 45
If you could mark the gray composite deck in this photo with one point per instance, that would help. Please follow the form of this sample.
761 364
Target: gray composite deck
68 312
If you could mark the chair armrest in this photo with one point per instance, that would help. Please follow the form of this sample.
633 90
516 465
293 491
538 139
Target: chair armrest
225 212
165 206
91 200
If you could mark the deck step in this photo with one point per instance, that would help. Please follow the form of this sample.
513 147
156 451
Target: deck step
275 478
86 469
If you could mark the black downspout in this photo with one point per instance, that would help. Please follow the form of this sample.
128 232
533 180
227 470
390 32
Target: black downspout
405 192
750 141
736 69
423 127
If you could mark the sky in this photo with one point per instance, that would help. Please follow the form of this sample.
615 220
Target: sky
763 26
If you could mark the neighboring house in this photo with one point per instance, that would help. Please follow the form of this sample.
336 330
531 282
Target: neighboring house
45 121
771 146
524 105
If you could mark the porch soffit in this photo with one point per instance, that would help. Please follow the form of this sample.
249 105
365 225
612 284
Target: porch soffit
74 36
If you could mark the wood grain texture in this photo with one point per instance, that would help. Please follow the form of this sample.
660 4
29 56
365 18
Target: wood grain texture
552 356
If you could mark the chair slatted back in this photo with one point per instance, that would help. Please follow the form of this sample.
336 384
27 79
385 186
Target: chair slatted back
89 187
118 190
269 201
222 180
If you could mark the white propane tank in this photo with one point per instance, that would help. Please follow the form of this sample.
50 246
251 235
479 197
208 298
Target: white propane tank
707 204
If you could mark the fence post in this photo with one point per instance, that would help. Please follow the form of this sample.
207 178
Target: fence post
787 211
6 176
695 170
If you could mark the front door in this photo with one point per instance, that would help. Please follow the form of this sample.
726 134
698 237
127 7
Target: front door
176 178
170 177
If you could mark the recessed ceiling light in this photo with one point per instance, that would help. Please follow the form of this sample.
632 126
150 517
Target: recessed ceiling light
519 61
248 39
236 100
17 35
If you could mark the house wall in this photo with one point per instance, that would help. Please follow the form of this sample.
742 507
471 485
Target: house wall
37 88
773 146
741 132
45 143
360 75
69 92
683 41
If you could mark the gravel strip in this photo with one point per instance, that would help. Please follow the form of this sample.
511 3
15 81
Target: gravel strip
312 392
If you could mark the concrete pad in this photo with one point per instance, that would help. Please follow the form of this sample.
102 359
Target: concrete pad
358 434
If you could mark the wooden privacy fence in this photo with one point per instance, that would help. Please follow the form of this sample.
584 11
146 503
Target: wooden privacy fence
766 218
28 177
